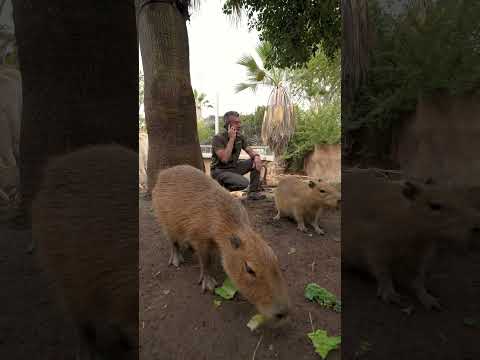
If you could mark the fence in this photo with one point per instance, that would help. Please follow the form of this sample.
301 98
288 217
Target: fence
264 152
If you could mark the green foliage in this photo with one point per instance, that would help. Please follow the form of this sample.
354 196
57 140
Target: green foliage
227 290
294 28
420 52
313 127
323 343
325 298
205 132
252 126
318 81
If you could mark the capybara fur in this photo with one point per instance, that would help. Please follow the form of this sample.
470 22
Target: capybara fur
391 228
194 211
85 225
305 201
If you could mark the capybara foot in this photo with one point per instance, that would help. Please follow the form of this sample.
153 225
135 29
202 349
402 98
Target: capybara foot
429 301
208 283
389 295
302 228
319 230
176 258
31 248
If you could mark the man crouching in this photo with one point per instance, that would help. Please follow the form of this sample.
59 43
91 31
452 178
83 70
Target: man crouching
226 168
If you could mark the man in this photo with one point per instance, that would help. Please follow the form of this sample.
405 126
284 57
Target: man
226 168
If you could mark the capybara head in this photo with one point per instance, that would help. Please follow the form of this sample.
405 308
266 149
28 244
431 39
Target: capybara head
325 193
253 267
445 207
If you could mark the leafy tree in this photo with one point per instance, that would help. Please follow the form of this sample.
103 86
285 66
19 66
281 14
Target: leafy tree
318 82
252 126
295 28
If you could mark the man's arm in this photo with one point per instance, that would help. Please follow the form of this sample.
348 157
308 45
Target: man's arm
225 153
250 152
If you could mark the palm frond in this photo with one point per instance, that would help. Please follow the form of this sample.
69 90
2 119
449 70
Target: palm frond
243 86
264 49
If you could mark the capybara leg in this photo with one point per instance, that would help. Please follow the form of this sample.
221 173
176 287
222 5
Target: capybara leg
31 247
315 225
418 284
300 222
207 281
427 300
176 257
386 290
277 217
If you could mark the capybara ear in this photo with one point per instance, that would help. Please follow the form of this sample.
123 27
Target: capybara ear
311 184
410 191
235 241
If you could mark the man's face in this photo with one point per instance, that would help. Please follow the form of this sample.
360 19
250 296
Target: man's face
235 123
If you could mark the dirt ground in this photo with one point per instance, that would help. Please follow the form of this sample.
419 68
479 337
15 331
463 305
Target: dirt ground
377 331
178 322
32 324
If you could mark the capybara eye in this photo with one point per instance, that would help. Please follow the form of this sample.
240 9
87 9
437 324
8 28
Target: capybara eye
249 269
435 206
322 191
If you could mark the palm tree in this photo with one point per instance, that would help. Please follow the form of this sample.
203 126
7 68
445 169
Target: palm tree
279 121
201 101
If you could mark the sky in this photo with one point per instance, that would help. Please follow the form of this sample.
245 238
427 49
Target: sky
216 44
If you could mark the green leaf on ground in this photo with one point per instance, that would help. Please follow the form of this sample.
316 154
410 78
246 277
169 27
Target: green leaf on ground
217 302
323 343
471 322
227 290
325 298
255 321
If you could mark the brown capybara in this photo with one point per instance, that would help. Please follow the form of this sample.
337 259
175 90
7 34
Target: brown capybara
194 211
304 201
85 226
391 229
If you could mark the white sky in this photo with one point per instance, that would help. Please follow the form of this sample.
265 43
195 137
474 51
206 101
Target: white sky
216 44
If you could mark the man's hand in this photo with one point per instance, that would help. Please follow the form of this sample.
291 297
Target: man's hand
257 163
232 133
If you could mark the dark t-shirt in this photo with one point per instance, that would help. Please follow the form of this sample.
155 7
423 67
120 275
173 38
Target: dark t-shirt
220 141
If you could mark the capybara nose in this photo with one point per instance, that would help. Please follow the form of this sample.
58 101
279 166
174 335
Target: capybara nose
283 314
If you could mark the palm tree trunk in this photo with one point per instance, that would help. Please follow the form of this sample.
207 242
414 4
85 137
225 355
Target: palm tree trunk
355 49
79 66
169 103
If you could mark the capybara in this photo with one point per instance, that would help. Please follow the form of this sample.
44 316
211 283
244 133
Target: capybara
194 211
304 201
86 238
391 228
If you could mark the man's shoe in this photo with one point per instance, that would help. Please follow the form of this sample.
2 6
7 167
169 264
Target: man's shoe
255 196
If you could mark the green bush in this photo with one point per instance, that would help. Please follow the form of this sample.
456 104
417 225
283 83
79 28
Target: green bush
313 127
205 133
417 56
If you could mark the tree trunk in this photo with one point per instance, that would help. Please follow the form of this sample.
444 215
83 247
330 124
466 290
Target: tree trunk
79 66
355 48
169 103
